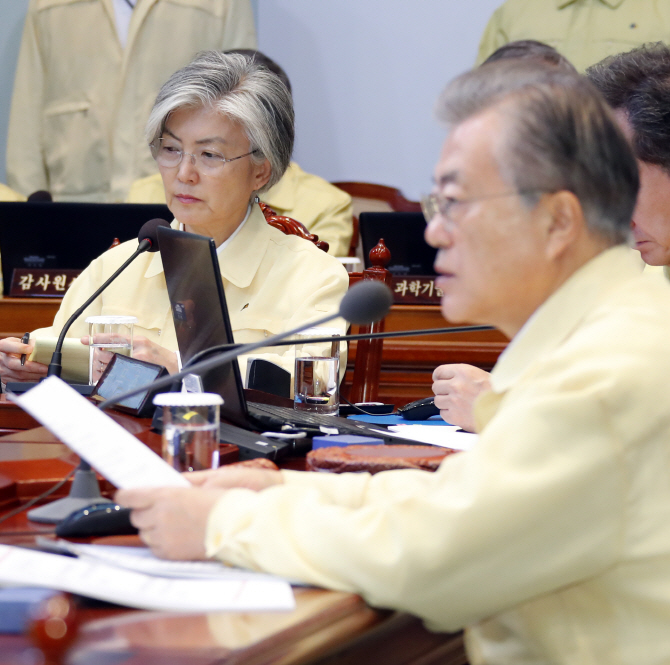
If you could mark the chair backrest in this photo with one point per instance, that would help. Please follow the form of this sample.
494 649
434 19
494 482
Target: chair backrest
369 197
290 226
368 363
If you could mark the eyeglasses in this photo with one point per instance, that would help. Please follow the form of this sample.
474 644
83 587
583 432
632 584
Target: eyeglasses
434 204
169 155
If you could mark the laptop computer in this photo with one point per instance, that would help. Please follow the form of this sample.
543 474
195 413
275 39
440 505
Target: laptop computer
66 235
403 235
201 320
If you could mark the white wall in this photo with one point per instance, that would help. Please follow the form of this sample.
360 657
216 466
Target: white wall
12 13
365 76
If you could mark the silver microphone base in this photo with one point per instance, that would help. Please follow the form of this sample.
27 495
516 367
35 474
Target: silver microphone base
85 491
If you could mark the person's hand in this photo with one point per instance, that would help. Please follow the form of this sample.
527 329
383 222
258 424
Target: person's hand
172 520
227 477
143 349
456 387
11 350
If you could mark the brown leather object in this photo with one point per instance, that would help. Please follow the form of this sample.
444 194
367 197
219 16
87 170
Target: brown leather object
376 458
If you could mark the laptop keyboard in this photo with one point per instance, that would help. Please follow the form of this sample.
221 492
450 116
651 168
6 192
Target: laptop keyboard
274 417
251 444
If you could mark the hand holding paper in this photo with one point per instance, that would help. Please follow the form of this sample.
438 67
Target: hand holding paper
94 436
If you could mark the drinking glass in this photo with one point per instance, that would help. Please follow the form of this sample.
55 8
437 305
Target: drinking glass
107 335
317 372
190 430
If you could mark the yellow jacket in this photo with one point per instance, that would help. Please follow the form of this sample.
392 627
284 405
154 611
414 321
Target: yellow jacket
7 194
273 282
323 208
584 31
81 101
550 538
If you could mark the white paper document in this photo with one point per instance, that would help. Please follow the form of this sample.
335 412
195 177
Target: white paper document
141 560
94 436
96 579
446 436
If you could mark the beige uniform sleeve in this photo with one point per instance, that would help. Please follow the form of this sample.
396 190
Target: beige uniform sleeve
323 290
529 510
26 171
82 288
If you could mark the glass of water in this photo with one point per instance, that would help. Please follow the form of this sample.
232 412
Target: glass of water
107 335
317 372
190 430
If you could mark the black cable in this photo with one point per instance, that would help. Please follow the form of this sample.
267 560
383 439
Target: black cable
358 408
36 499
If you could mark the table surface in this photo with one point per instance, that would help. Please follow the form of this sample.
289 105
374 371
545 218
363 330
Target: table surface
326 626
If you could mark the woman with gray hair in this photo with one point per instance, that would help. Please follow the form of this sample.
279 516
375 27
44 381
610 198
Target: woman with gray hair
221 131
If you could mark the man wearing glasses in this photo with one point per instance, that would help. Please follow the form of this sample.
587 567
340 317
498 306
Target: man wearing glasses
548 541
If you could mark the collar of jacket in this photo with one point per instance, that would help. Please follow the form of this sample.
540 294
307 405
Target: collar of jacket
282 196
613 4
240 260
562 313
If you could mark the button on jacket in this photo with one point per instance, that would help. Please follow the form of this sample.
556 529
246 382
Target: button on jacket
550 539
81 101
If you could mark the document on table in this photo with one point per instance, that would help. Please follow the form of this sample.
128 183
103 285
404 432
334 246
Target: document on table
97 579
94 436
141 560
449 436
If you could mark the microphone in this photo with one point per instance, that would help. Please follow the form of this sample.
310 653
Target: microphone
365 302
350 338
148 242
40 196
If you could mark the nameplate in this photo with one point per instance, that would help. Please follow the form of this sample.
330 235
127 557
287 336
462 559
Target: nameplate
415 290
40 283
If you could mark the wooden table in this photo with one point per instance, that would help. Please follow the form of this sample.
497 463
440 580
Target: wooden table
407 364
327 627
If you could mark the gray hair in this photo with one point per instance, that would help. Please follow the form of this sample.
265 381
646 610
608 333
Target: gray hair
560 135
240 89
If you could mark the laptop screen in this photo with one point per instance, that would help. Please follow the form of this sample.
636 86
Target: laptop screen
200 313
66 235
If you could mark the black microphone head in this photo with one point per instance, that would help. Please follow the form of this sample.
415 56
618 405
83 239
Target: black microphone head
366 302
40 196
149 231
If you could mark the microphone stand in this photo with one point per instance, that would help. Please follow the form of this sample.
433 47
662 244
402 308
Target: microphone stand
85 489
346 338
55 366
211 363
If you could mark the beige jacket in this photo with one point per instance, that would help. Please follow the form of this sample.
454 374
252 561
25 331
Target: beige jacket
584 31
550 539
323 208
81 101
7 194
273 282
